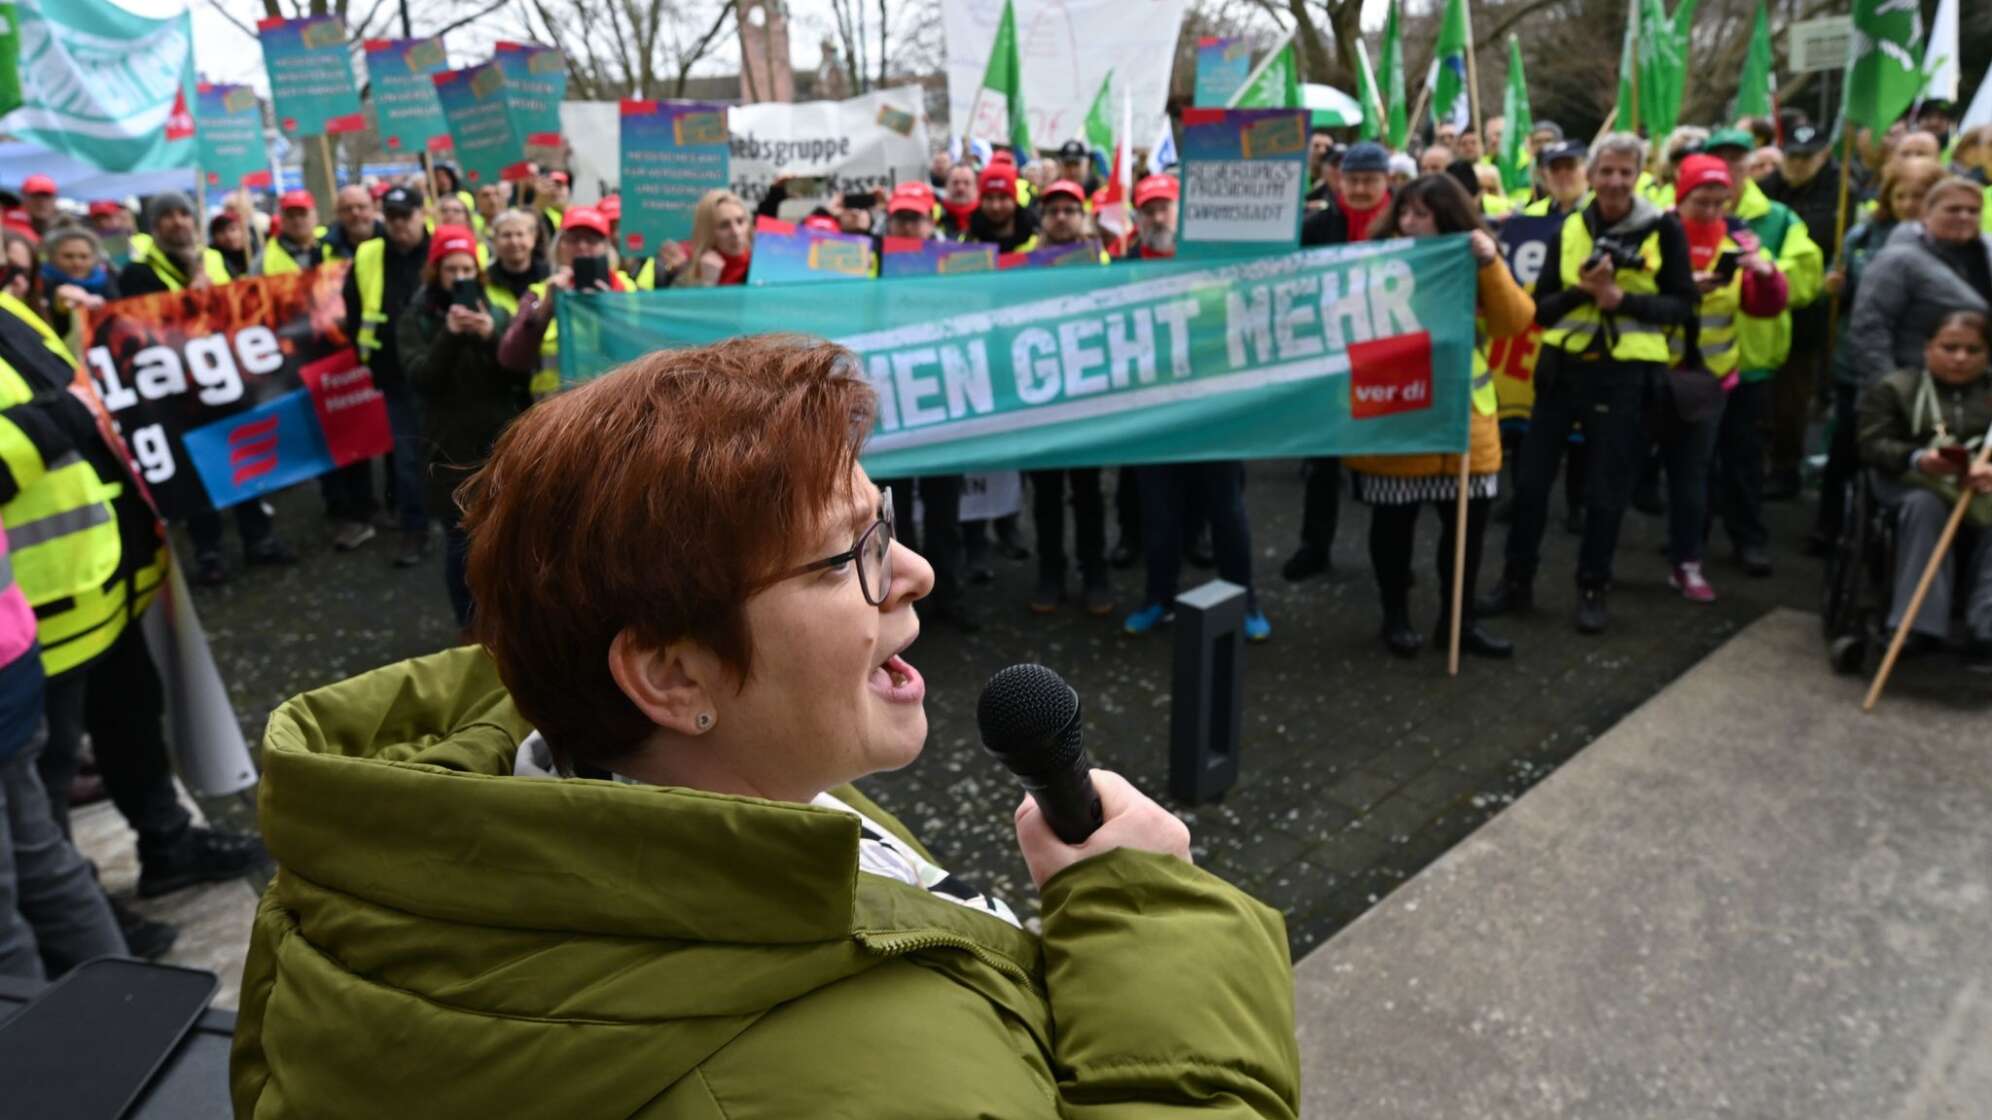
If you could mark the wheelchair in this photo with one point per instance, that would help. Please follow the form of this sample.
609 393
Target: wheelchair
1860 579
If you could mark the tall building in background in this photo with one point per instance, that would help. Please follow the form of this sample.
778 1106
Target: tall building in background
765 74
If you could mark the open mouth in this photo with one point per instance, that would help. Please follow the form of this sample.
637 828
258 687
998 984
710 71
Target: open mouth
898 681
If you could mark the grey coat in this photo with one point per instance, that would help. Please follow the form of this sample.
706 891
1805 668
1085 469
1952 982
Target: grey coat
1905 289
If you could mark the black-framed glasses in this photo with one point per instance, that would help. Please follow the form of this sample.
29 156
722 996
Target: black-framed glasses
872 553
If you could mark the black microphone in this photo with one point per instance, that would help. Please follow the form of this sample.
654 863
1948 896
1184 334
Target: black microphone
1029 718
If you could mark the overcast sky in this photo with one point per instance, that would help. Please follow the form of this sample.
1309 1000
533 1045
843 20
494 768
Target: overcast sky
224 54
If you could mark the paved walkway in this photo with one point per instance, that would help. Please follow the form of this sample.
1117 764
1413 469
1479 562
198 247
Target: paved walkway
1746 899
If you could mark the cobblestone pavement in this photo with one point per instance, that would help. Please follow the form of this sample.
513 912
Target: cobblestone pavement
1357 768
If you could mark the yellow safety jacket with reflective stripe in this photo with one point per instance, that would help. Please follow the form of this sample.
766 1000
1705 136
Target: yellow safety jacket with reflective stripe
1631 340
1720 319
370 277
1546 206
1766 343
1485 402
277 260
146 251
501 296
62 532
546 381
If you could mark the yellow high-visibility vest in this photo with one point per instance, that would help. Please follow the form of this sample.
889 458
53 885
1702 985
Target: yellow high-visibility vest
1635 341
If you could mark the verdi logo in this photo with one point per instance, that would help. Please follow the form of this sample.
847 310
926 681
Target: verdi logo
102 86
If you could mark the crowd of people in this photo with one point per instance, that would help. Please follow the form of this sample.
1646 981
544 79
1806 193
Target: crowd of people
1685 336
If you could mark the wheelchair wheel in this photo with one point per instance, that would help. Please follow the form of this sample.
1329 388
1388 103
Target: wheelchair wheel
1848 654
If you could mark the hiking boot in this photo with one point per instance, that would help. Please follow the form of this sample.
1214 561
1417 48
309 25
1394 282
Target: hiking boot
1687 579
1099 600
203 855
1512 595
1591 614
1309 561
351 535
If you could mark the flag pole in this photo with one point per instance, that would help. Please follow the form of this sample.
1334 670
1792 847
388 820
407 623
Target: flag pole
1382 114
1473 105
1839 234
1257 71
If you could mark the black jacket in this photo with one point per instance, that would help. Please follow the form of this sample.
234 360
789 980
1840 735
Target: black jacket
1023 229
1674 304
337 244
1816 202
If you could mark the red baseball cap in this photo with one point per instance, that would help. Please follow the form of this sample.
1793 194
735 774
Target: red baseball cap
451 239
558 176
38 184
611 207
584 217
1002 155
997 177
16 219
1066 187
1700 171
105 208
295 200
822 223
1153 187
913 196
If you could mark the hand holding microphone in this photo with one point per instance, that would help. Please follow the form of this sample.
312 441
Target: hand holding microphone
1029 719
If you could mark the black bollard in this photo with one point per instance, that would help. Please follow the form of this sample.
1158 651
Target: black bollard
1208 694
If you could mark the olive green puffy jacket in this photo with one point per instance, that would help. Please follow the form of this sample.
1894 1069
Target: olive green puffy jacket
443 939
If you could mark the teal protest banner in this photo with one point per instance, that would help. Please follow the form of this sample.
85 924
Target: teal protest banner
535 83
408 117
228 123
1363 348
311 76
673 152
105 85
1244 173
488 148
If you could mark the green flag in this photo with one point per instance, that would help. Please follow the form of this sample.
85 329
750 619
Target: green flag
1275 85
1391 79
1450 103
1661 80
1884 73
1753 96
1100 118
1368 94
1003 78
10 57
1513 158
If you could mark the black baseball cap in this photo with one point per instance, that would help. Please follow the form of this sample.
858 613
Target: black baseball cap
1072 149
1806 140
1568 149
401 200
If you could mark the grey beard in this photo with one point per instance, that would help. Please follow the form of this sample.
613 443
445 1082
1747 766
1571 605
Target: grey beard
1159 240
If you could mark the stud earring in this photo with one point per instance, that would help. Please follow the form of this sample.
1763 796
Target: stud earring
704 721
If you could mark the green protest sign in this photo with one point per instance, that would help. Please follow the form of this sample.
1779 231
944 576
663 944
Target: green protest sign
1360 348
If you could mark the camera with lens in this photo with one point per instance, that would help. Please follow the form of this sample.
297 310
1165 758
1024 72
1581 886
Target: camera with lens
1623 257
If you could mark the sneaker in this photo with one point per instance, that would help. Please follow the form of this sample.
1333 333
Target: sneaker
414 548
1146 619
1309 561
1591 615
1474 639
209 571
1400 637
203 855
146 939
1099 600
1687 579
1756 560
1049 594
1257 627
270 552
351 535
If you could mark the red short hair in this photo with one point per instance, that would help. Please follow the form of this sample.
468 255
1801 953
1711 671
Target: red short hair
654 499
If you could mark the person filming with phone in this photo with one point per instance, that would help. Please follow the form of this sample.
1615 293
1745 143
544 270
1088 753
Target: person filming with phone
610 862
1920 430
584 260
449 350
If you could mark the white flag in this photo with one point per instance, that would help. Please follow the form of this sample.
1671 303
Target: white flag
1940 58
1162 153
1981 107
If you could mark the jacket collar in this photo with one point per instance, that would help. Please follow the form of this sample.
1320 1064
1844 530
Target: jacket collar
397 787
